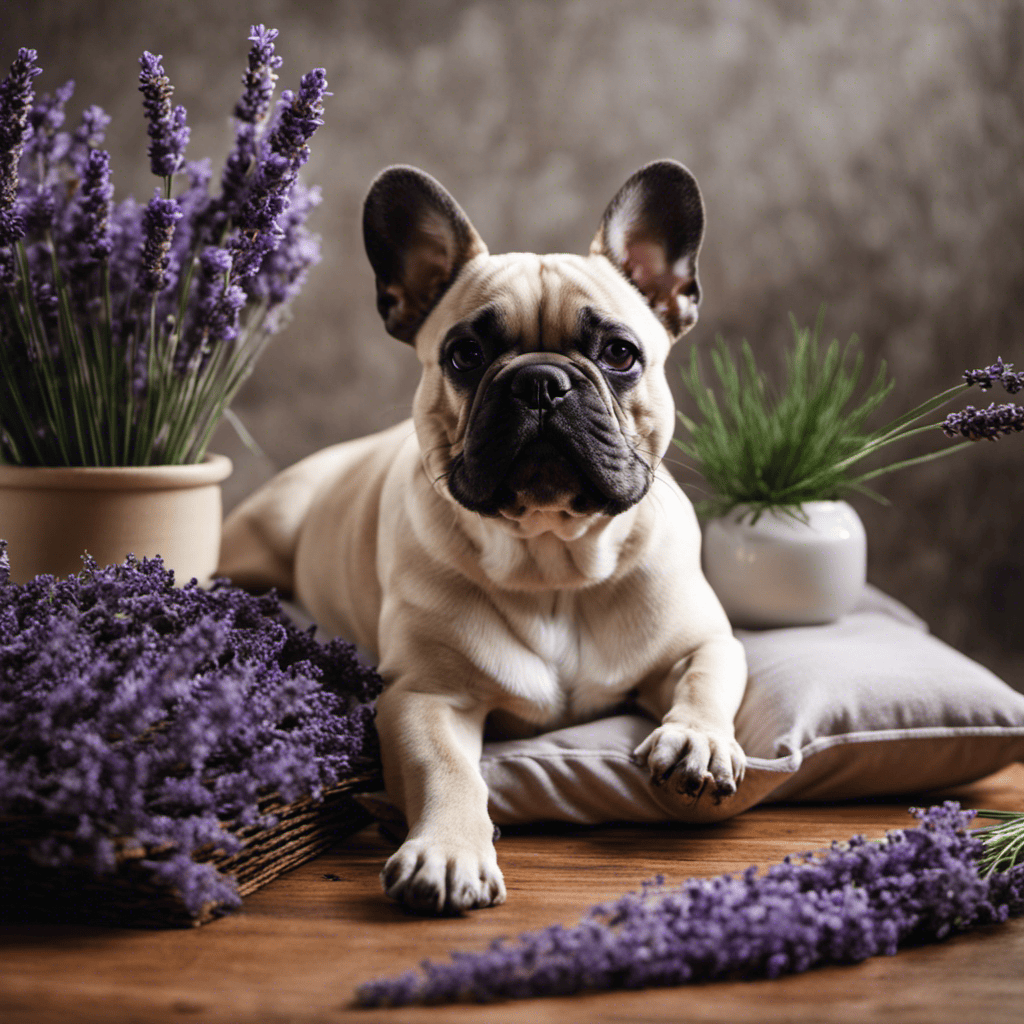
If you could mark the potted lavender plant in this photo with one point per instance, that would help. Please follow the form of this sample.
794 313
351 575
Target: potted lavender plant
781 546
126 328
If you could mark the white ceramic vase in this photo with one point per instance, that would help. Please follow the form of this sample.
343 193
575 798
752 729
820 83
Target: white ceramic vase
783 570
50 517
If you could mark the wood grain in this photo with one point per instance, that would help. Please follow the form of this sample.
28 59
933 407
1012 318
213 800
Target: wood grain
302 944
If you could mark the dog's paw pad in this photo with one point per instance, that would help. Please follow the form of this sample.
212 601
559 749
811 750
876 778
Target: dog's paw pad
428 878
692 761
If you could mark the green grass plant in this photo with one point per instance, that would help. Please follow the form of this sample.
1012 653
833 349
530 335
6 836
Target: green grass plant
771 448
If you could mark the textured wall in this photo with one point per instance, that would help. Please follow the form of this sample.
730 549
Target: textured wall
863 153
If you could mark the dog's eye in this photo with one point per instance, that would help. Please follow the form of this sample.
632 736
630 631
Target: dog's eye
619 355
466 355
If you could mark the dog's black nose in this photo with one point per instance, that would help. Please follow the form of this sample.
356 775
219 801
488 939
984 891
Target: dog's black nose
541 386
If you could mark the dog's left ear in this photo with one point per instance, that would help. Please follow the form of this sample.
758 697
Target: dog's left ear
417 239
652 232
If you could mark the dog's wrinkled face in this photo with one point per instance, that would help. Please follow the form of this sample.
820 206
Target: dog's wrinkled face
543 390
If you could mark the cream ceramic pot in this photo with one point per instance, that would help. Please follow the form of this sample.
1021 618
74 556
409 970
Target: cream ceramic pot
783 570
50 517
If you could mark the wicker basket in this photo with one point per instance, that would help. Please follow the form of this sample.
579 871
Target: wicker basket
129 896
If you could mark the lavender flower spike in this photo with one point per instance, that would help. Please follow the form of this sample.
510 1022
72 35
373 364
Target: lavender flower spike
300 117
998 371
90 232
259 77
47 118
218 308
87 136
252 109
158 222
15 105
990 423
167 130
270 195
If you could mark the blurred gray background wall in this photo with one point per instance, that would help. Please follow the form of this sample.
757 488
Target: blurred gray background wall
866 154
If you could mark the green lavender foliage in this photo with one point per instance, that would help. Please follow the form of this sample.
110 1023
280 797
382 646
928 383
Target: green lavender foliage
1004 841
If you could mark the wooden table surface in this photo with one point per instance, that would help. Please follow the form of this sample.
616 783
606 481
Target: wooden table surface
300 946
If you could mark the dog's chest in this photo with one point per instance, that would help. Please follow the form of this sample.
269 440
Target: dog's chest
570 666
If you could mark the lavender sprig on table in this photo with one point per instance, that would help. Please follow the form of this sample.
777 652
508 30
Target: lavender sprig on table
859 899
121 346
135 714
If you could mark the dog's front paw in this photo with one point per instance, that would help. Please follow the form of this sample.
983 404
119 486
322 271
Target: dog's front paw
433 877
690 757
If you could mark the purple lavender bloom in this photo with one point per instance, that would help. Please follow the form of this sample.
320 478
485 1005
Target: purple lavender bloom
283 271
299 118
157 714
89 135
97 194
38 209
15 104
167 131
990 423
158 222
260 76
259 220
998 371
217 308
127 242
46 119
860 899
88 237
194 202
250 112
237 168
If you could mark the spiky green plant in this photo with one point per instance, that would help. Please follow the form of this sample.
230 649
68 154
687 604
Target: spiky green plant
775 449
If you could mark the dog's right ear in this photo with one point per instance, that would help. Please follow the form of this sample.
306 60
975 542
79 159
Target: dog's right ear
417 239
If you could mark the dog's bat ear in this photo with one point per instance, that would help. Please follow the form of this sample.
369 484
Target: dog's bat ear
417 239
652 232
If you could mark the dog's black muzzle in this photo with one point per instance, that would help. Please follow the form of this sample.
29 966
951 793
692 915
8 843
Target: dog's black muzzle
541 435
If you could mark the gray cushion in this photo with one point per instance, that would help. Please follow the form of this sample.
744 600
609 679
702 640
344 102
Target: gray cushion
867 706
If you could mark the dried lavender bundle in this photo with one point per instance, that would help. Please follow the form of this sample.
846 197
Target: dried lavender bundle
859 899
126 328
132 710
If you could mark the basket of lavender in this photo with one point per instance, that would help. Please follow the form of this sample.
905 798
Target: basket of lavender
126 327
165 750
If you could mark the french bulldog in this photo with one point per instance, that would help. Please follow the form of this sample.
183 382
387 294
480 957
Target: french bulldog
516 554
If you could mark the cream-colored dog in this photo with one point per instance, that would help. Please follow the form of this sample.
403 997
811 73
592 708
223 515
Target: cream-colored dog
516 554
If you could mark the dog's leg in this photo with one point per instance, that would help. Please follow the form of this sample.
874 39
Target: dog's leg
697 702
431 747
